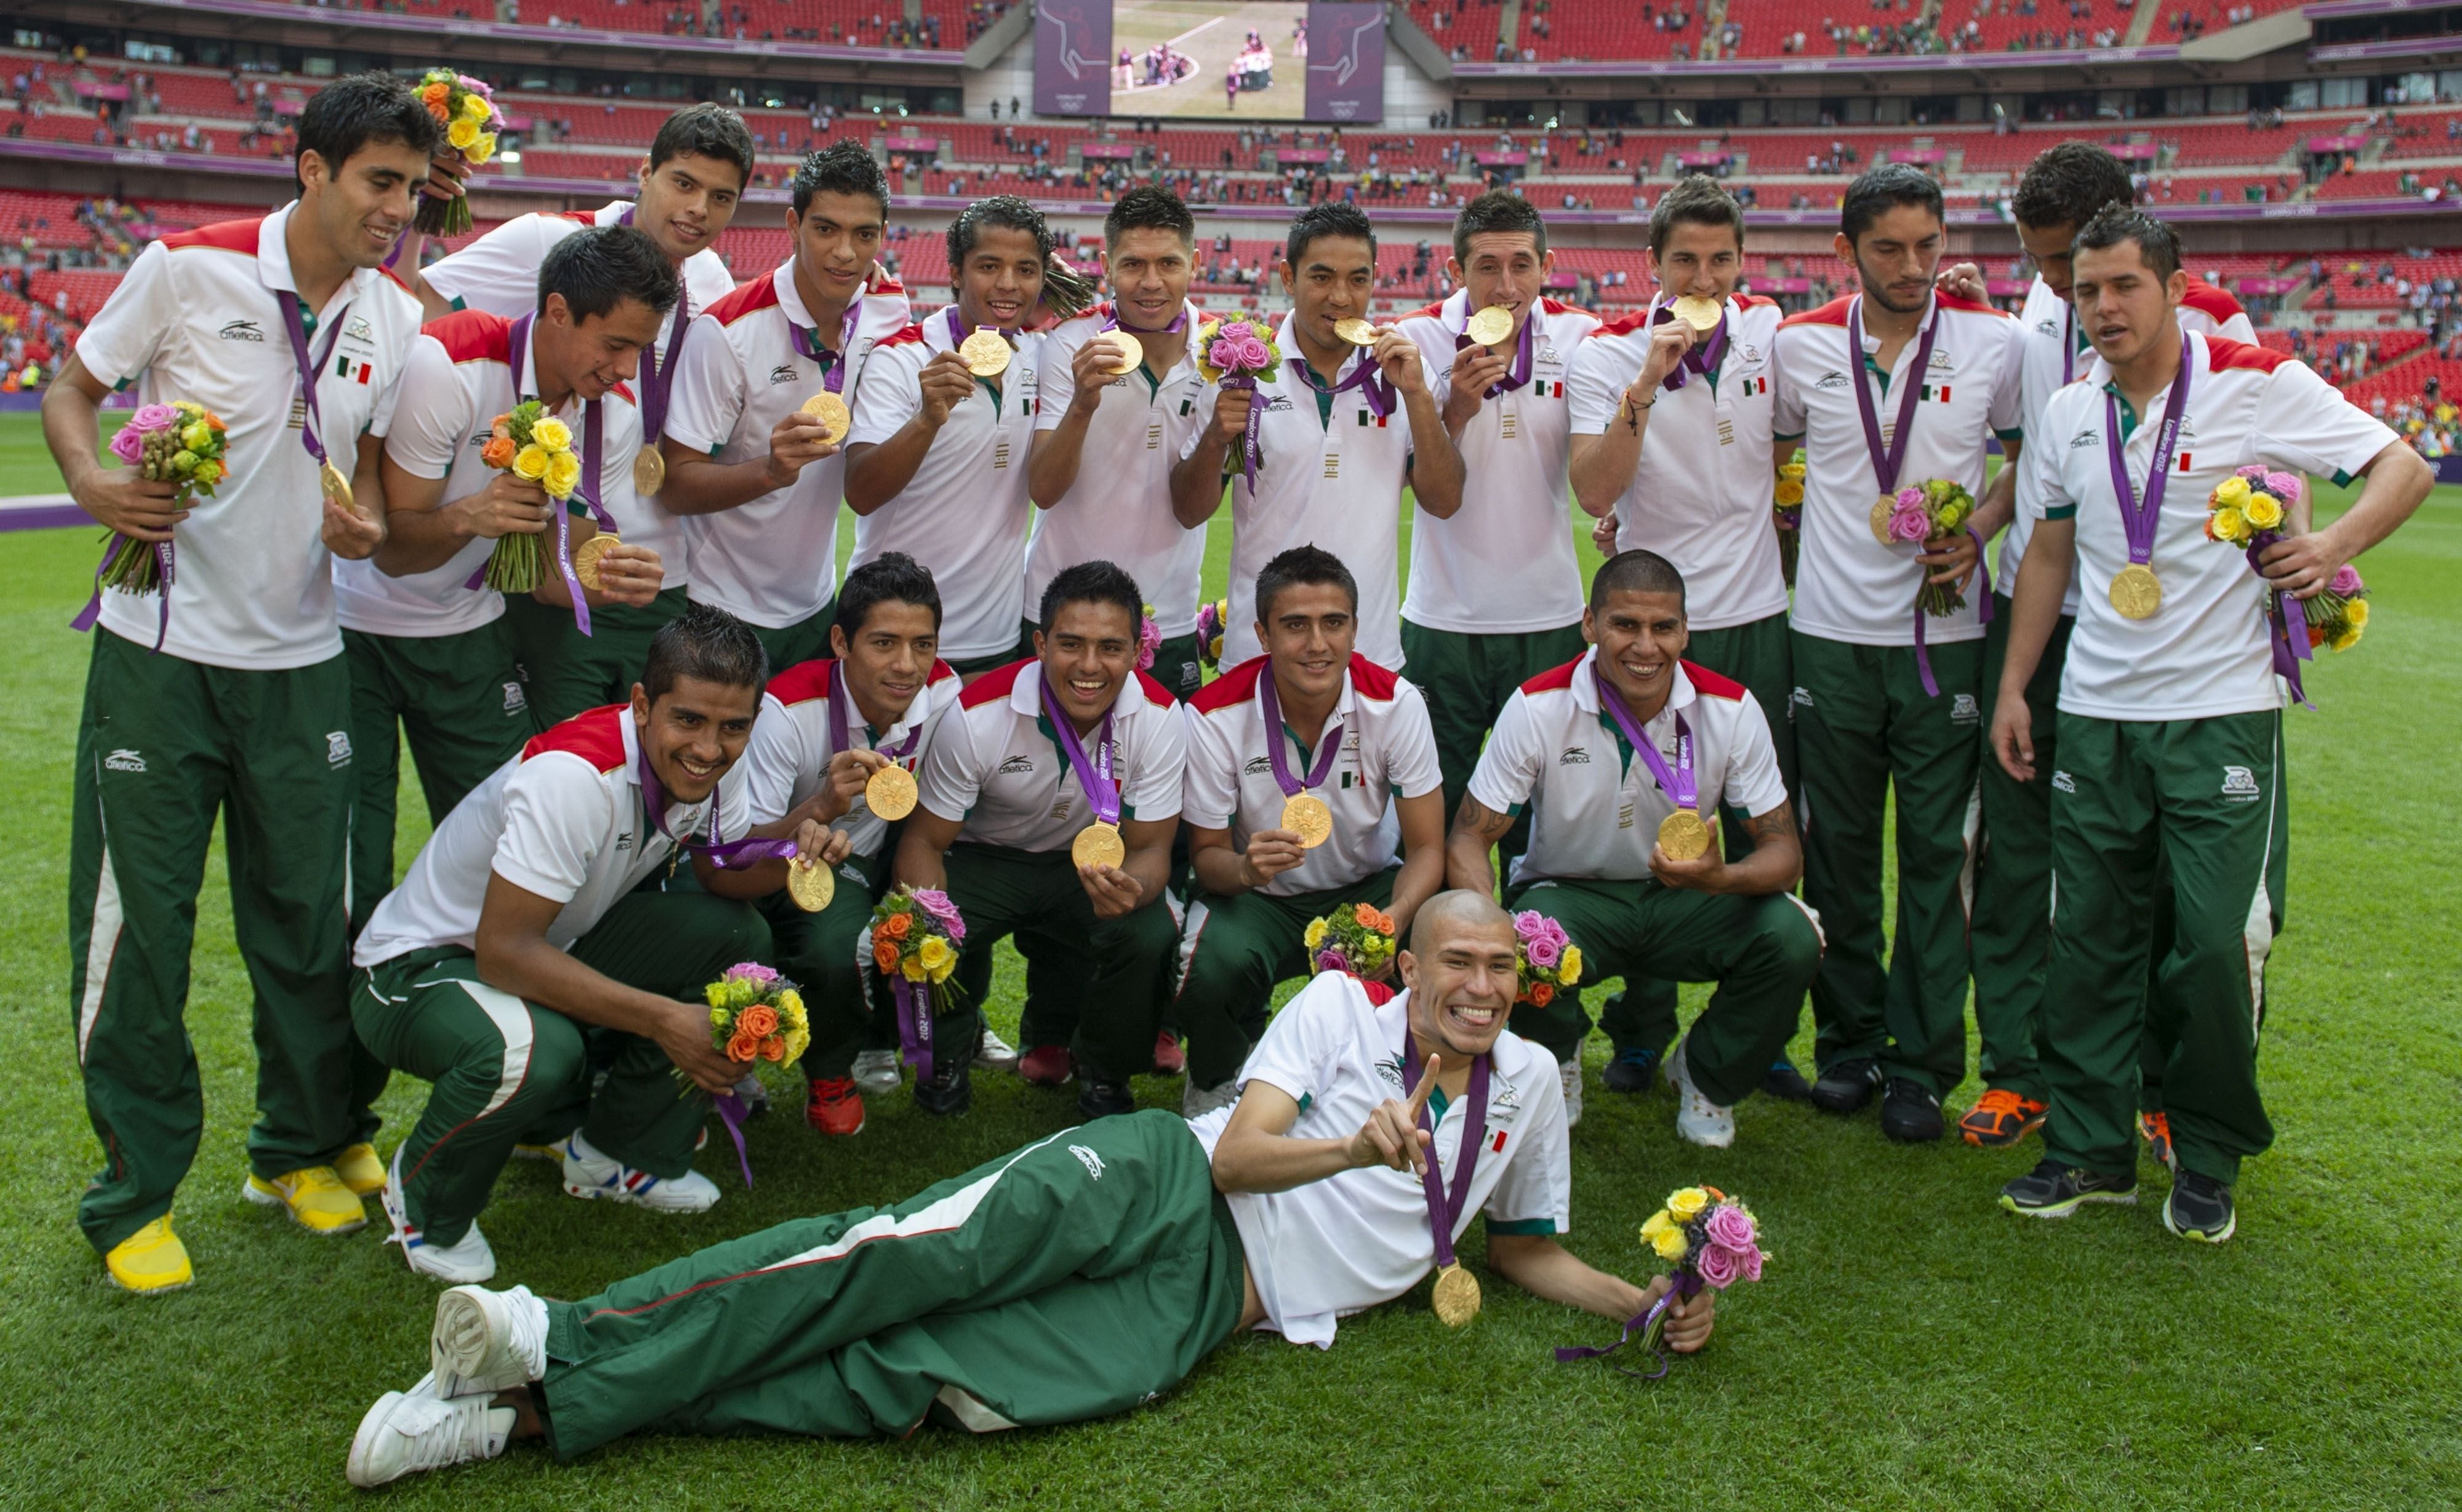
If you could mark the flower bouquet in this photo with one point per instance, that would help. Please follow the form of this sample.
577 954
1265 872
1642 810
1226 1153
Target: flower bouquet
1211 619
755 1015
1924 512
2248 509
1786 513
530 443
915 936
181 443
1358 940
1149 639
1551 961
467 111
1711 1240
1240 355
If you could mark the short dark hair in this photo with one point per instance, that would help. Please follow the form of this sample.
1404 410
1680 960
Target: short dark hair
1495 210
2114 224
1634 572
600 267
2065 186
1304 566
1327 218
705 643
1149 207
891 577
1885 189
1696 200
1006 211
705 131
845 166
1097 582
348 113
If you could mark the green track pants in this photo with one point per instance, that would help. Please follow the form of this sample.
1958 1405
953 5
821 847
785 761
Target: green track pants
807 639
2012 934
1232 951
823 952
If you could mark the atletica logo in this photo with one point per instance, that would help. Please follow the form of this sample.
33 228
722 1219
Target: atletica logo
1256 765
241 331
783 373
1575 756
1833 378
2062 782
123 759
2238 782
1803 696
2049 327
1017 764
338 748
2090 437
1093 1162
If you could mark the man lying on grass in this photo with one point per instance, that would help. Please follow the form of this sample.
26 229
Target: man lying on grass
1081 1275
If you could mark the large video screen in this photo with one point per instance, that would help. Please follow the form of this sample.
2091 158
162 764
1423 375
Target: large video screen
1264 60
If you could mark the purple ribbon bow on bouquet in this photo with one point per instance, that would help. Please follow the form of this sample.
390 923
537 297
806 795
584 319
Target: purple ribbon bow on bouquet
1646 1324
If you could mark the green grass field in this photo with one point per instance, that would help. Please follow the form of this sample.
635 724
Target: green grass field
1913 1346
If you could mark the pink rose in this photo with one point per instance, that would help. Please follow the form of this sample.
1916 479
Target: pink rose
1331 961
1910 526
1253 353
750 971
2347 581
1753 1263
1556 935
2284 486
2253 472
1718 1265
1224 354
1528 923
1730 1225
154 417
1544 952
1149 641
129 445
1909 498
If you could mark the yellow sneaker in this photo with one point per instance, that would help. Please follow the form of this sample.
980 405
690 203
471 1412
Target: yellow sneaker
150 1262
360 1170
316 1198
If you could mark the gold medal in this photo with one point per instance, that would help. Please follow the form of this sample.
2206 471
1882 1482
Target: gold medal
1356 331
649 470
1881 512
2136 591
810 884
1132 354
1456 1296
832 412
890 793
1490 326
1684 836
585 559
336 488
1700 312
1307 816
986 354
1098 843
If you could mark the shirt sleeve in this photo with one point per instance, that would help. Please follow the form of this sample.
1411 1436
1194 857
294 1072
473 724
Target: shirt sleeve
1209 792
499 271
556 819
891 393
127 334
1753 782
1534 1194
773 760
432 418
707 397
1410 746
1158 767
1786 405
1056 378
1595 388
2303 423
1204 407
2008 418
951 780
1508 767
1303 1043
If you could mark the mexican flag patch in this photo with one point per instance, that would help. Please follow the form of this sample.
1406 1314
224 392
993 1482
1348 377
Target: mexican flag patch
1940 393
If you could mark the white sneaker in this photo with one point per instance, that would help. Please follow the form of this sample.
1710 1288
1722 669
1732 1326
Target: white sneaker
415 1429
1697 1119
589 1174
469 1259
1569 1072
877 1070
994 1053
487 1341
1195 1102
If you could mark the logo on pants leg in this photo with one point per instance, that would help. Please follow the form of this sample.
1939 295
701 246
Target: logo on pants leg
514 701
2238 782
123 759
1093 1162
338 748
2062 782
1964 710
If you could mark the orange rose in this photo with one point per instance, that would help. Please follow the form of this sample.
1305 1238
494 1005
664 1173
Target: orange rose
1382 921
214 422
743 1046
435 97
897 926
774 1048
760 1021
884 955
498 453
1541 994
1365 914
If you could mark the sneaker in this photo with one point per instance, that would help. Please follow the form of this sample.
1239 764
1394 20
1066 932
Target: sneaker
2000 1118
487 1341
877 1070
950 1091
1785 1083
1195 1102
2053 1189
360 1170
2155 1129
1568 1074
1630 1070
150 1262
1169 1059
1847 1086
2199 1208
589 1174
1910 1113
407 1432
469 1259
1697 1119
1098 1098
1044 1065
314 1196
754 1097
834 1107
993 1054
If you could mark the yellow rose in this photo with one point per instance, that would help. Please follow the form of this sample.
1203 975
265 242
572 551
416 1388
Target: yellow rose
912 967
2263 510
530 462
1655 1226
1793 471
481 150
942 974
718 1018
934 953
790 1007
2230 525
551 433
462 132
1686 1204
1569 970
2234 491
475 107
1789 492
1315 934
716 996
1670 1245
2347 639
563 474
798 1041
2357 612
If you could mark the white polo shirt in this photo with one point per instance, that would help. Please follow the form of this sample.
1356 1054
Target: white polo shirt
1504 564
2050 329
500 271
771 561
1596 809
964 513
199 317
1325 1250
565 819
790 747
1388 751
1331 478
1700 494
995 762
1848 586
1120 508
2204 650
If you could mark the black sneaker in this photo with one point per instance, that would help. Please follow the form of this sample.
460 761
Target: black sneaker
2053 1189
1846 1087
1784 1082
1100 1098
950 1091
1909 1113
2199 1208
1631 1071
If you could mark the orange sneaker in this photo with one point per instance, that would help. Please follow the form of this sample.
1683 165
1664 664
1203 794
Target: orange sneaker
835 1108
2155 1129
2000 1118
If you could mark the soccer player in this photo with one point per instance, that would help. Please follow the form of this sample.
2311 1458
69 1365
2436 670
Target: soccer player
756 478
937 464
1889 388
430 653
1314 725
1081 1275
1099 469
1337 487
2011 937
521 956
827 725
1050 797
1607 857
2171 715
283 327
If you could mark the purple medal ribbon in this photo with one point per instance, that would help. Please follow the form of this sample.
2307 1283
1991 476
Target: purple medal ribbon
1519 372
1982 615
660 378
1369 380
1094 776
593 460
1687 1286
1701 356
2138 517
842 722
1888 460
913 1003
2069 345
1329 744
1445 1208
1178 324
958 333
1678 784
807 342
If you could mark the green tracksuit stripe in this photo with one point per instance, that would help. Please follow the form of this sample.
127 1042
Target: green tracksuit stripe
1232 951
2011 931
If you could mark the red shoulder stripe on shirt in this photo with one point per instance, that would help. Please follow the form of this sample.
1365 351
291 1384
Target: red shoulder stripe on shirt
1705 680
2224 354
594 735
576 217
473 335
624 392
761 293
228 236
1832 313
393 278
1234 686
1629 323
1553 679
1975 307
941 671
995 685
1558 306
1434 312
1750 301
899 338
2210 301
803 683
1371 680
1156 693
887 286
